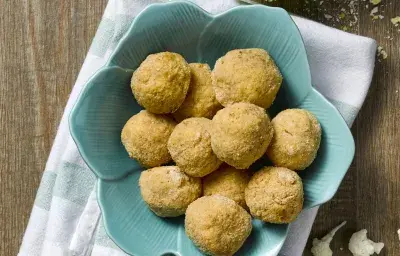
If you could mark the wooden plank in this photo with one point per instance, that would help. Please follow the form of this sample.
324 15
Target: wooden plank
42 47
377 177
369 195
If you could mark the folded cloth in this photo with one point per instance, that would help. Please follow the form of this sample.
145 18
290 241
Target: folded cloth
65 218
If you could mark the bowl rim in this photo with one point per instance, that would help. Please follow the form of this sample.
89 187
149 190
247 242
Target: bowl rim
350 151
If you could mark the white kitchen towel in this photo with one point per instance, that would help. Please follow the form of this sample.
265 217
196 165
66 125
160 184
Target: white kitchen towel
66 219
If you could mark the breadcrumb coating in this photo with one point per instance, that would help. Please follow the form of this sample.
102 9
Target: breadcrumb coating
246 75
240 134
217 225
145 137
161 82
297 136
275 195
229 182
190 147
200 100
168 191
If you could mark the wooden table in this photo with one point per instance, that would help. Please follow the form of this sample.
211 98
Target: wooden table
43 44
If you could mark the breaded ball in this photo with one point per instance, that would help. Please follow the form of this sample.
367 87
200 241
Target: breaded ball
217 225
275 194
145 137
200 100
229 182
161 82
168 191
246 75
240 134
190 147
297 135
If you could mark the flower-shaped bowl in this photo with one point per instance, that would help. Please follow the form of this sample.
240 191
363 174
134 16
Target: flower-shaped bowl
106 103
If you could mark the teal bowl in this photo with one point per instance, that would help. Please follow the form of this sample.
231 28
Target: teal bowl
106 103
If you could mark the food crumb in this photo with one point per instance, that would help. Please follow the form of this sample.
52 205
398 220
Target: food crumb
398 231
321 247
327 16
382 53
375 2
360 245
395 21
373 11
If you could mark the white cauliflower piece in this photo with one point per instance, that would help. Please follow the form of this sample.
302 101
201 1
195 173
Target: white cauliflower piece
321 247
360 245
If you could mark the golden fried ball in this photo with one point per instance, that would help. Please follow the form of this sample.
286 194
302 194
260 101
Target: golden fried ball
168 191
229 182
275 194
145 137
217 225
161 82
246 75
297 135
200 100
240 134
190 147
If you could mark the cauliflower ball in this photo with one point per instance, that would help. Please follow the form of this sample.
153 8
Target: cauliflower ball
246 75
168 191
240 134
190 147
275 194
297 135
229 182
145 137
161 82
200 100
217 225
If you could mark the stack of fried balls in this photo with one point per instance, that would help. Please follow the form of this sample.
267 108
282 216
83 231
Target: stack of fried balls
214 125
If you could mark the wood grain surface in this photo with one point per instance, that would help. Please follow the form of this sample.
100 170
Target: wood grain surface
42 47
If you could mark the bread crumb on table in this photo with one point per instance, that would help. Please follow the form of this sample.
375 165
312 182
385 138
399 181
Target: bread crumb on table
395 21
321 247
374 11
382 53
375 2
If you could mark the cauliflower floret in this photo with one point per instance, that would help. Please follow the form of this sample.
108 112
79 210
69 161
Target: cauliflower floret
321 247
360 245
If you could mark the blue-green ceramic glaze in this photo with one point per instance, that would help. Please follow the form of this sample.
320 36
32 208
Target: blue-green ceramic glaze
106 103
